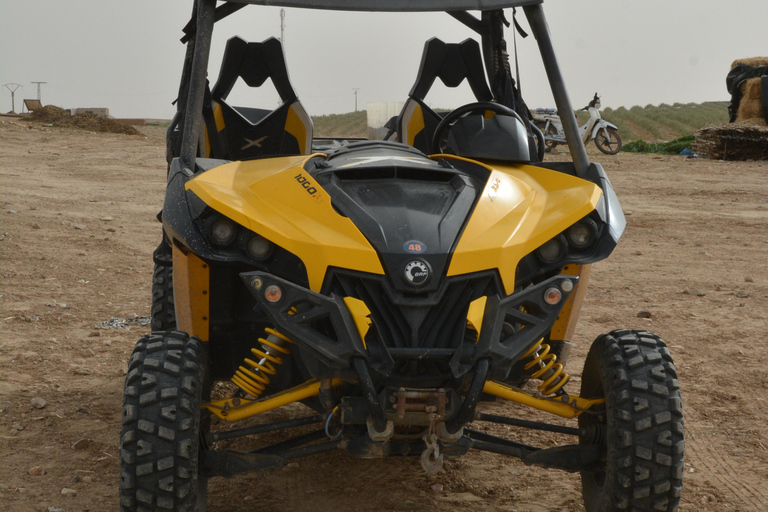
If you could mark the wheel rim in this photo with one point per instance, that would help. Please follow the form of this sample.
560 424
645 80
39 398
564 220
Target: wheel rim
608 141
551 132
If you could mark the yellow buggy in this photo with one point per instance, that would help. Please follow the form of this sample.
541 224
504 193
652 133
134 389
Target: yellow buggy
388 285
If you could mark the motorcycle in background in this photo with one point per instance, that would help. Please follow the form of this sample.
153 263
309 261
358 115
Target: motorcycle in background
605 134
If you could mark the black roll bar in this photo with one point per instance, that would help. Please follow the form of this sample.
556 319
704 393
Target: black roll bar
538 23
206 15
201 32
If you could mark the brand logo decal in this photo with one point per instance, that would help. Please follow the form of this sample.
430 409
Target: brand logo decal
414 246
494 188
251 143
417 272
306 184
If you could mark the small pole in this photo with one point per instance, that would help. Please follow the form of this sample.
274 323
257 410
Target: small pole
38 90
355 91
282 28
13 95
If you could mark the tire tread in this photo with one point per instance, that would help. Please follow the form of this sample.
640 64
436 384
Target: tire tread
645 435
161 424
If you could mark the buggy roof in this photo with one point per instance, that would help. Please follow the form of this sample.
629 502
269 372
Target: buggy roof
395 5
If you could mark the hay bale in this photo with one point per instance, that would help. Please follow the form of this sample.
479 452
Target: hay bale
751 106
751 61
750 109
732 142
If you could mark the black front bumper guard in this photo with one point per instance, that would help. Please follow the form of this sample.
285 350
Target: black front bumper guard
525 315
328 340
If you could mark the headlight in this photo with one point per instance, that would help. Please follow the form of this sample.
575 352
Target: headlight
259 248
582 234
553 250
222 232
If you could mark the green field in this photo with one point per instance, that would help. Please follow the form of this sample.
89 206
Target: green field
650 123
664 122
353 124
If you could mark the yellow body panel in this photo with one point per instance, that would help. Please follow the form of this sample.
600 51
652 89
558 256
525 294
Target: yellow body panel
218 116
520 208
190 293
280 201
475 314
566 321
361 315
295 126
415 125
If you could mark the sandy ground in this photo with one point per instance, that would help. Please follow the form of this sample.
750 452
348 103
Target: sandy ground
77 228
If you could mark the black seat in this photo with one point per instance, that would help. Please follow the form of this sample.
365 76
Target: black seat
452 63
242 133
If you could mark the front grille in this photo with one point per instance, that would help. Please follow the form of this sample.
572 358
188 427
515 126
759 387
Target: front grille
420 332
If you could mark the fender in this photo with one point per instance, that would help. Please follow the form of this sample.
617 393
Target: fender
602 124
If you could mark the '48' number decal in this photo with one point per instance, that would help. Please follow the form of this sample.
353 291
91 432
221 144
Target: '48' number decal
414 247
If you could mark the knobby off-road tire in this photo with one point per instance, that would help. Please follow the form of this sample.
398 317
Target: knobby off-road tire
160 441
163 308
603 144
642 428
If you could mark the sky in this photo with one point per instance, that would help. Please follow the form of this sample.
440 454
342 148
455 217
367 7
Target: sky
126 55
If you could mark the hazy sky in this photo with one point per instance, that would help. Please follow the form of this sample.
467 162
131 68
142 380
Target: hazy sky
126 55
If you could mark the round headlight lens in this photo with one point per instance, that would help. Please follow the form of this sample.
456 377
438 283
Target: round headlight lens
222 232
553 250
259 247
582 234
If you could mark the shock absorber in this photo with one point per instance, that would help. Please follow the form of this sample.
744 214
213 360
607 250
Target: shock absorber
253 376
547 369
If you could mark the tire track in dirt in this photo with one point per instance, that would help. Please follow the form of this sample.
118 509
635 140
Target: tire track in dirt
722 469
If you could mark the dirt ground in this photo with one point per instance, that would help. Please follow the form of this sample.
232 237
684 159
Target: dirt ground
77 229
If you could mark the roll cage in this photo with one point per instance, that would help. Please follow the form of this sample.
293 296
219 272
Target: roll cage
185 130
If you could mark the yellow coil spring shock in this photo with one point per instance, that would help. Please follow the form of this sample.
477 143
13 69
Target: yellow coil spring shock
549 371
254 380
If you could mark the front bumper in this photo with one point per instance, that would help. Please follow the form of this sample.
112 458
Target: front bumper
328 339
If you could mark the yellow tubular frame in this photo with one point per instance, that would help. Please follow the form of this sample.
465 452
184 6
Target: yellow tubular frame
564 405
233 409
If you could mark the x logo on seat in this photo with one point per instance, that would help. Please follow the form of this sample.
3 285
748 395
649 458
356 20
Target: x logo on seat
252 143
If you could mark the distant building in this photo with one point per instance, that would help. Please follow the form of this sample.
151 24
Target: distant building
378 115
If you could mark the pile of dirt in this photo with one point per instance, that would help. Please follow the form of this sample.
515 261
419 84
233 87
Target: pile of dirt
732 142
49 114
60 117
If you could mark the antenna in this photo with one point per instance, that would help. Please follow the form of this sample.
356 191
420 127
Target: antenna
38 89
12 88
355 89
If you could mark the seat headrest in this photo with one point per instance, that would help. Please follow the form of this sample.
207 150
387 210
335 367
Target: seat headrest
254 63
452 63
